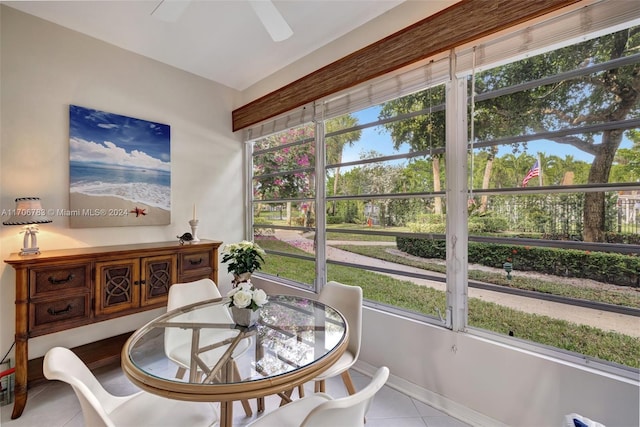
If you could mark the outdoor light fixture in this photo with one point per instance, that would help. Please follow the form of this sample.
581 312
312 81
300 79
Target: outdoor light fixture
508 267
28 213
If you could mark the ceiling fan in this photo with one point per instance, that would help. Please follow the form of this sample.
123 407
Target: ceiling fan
273 21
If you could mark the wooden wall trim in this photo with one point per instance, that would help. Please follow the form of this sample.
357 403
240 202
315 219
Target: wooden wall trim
459 24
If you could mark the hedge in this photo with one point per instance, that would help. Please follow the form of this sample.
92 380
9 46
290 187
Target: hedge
617 269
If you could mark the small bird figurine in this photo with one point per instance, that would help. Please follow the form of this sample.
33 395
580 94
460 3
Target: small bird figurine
186 237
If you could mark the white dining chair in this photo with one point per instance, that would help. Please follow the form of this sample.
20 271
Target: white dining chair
102 409
321 410
177 341
348 301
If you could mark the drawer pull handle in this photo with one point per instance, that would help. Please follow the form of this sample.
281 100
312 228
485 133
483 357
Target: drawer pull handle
55 281
53 312
192 262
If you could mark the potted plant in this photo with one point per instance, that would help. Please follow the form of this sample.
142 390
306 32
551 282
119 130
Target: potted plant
243 258
245 303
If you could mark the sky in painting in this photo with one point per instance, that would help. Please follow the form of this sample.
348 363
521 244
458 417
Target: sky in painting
109 139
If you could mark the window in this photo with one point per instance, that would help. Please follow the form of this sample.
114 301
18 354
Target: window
283 201
550 192
384 181
523 151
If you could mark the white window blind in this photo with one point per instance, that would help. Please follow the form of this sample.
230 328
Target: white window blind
385 88
578 25
297 117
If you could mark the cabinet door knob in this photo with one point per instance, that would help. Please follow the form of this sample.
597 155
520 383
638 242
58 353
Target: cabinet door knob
194 262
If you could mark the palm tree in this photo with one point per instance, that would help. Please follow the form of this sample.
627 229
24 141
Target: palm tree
335 144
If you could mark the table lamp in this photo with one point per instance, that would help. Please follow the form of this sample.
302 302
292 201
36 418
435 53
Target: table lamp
28 213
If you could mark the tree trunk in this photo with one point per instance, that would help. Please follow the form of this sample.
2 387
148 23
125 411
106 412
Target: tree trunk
485 179
437 201
594 206
335 189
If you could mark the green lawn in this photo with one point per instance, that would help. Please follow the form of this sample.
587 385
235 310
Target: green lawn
586 340
607 295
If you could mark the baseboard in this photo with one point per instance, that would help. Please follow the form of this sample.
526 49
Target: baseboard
435 400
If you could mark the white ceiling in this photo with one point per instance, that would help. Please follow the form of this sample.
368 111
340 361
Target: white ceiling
221 40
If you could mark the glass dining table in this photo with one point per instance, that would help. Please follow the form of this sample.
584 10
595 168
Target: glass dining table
197 353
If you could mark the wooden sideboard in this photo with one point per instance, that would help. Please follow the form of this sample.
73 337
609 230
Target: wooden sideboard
63 289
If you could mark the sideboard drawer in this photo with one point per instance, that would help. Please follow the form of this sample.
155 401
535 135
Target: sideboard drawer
55 279
48 315
192 262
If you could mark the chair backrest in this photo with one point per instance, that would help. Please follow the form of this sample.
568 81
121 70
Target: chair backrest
62 364
347 411
181 294
348 301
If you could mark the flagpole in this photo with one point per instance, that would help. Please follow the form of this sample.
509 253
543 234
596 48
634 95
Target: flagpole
540 170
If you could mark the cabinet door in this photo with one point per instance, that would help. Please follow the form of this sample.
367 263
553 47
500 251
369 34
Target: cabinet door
158 273
117 285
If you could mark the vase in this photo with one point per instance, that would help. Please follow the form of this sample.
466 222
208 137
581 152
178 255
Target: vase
245 316
240 278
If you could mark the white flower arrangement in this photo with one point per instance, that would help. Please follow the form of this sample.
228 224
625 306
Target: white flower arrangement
245 295
243 257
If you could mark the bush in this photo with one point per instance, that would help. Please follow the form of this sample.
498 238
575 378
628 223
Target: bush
262 231
428 223
475 226
493 224
299 221
617 269
421 227
626 238
334 219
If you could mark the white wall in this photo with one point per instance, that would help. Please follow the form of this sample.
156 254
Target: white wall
392 21
483 382
44 68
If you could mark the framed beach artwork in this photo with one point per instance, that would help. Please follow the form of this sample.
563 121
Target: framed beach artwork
120 170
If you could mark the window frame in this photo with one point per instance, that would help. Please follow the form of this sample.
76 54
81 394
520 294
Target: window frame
457 237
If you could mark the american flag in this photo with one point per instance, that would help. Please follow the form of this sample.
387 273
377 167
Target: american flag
534 171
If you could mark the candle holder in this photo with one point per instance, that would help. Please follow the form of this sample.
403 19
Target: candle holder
194 230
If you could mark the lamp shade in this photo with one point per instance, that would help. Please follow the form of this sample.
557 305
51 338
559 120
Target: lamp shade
28 211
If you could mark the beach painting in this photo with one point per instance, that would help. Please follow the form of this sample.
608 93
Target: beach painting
120 170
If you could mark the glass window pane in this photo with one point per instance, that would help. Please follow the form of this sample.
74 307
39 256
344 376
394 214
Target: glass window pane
298 270
304 133
423 298
567 258
388 150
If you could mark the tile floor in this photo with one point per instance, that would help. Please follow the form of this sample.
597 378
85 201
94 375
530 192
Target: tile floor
55 405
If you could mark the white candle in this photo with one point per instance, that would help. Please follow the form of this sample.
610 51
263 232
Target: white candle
194 211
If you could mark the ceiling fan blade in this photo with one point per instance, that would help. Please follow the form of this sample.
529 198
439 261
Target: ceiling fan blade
272 20
170 10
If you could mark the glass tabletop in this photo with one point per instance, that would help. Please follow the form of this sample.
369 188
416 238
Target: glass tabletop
199 344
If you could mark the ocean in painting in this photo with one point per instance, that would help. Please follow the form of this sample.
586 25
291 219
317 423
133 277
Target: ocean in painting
148 186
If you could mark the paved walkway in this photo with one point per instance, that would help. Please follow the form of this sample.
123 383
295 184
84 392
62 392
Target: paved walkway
625 324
